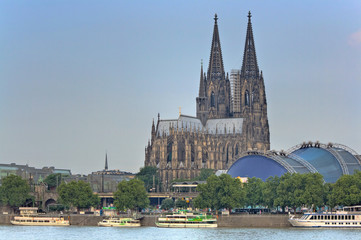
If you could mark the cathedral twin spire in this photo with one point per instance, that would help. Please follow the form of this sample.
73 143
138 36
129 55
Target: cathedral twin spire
215 67
249 66
213 100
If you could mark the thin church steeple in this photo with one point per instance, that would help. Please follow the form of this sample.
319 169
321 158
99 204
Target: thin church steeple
249 66
202 90
215 67
106 162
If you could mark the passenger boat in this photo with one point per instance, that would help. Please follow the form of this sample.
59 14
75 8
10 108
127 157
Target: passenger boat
349 217
29 217
119 222
39 221
187 220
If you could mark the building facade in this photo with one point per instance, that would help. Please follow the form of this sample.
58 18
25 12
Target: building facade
228 120
32 174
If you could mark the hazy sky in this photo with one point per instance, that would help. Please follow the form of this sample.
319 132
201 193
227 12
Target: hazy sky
82 78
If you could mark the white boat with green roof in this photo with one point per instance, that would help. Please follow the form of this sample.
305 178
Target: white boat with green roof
187 220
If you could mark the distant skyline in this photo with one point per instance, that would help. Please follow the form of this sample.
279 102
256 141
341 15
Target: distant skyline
79 79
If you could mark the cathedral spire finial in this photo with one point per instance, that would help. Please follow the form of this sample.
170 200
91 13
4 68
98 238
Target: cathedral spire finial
215 67
249 66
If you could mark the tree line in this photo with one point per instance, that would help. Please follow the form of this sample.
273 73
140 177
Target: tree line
290 190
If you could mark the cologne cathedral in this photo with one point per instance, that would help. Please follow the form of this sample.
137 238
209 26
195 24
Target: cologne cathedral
231 118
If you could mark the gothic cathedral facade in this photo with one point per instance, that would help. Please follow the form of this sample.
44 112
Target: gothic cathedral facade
231 118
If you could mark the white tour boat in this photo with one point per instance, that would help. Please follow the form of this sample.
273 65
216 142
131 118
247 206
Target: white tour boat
119 222
29 217
187 220
349 217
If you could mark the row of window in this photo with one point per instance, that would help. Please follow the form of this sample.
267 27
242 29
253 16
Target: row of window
40 221
341 223
333 217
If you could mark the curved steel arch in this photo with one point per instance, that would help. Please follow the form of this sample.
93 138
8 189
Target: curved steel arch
338 158
303 162
271 155
329 149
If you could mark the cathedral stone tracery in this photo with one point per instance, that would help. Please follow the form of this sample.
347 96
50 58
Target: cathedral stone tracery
222 128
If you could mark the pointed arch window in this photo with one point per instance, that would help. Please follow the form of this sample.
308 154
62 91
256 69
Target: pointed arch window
246 98
169 151
227 157
213 100
192 153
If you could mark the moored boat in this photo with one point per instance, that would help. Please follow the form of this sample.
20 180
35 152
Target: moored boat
29 217
187 220
349 217
119 222
39 221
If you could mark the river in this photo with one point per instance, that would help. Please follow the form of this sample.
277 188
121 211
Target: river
89 233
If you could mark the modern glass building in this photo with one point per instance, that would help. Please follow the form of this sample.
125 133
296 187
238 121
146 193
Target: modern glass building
331 161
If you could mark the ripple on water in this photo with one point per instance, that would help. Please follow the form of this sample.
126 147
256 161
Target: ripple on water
90 233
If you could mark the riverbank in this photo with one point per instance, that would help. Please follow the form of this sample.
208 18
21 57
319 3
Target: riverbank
231 221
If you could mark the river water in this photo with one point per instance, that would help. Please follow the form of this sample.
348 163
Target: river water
90 233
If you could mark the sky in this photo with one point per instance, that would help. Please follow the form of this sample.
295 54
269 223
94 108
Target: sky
79 79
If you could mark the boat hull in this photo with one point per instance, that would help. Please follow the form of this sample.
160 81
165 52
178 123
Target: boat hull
186 225
119 222
130 225
312 224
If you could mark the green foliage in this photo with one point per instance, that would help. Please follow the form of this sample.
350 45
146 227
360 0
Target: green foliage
179 203
14 191
167 204
131 195
254 188
204 174
347 190
146 175
53 180
270 191
77 194
220 192
56 207
296 190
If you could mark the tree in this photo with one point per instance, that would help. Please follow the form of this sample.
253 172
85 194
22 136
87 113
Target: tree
180 203
297 190
53 180
167 203
220 192
314 192
347 190
270 191
285 191
14 191
131 195
77 194
204 174
146 175
254 188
